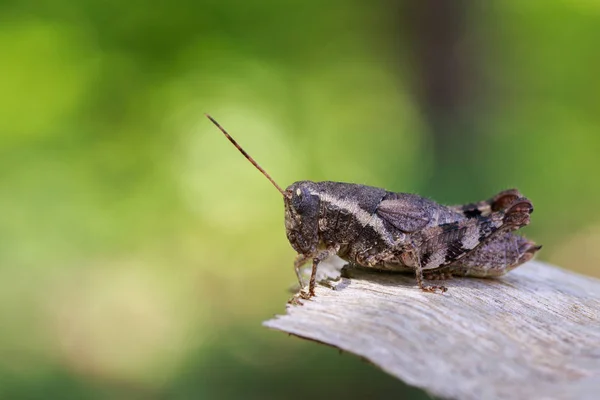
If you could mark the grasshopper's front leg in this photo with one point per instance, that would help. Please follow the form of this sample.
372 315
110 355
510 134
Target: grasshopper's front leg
322 255
302 259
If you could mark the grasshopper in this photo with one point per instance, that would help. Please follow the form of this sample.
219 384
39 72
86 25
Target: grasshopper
376 228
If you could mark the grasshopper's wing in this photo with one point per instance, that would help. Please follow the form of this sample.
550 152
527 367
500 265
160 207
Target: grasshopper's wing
404 211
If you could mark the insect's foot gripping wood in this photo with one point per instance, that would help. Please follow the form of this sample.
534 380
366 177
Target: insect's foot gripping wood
298 298
429 288
434 288
302 294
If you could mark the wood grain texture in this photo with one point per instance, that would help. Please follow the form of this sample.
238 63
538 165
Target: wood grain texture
534 333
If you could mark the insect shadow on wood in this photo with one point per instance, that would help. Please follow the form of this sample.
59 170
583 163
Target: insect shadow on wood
375 228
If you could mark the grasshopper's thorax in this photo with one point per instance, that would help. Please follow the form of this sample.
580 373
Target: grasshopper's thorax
333 214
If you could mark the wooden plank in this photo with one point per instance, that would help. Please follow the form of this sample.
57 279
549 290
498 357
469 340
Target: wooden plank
534 333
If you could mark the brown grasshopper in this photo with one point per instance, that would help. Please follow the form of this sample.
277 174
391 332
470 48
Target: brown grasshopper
384 230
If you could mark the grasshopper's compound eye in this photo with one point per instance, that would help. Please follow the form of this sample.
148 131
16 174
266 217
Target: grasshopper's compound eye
302 199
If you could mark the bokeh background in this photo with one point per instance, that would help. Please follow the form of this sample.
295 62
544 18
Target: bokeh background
140 252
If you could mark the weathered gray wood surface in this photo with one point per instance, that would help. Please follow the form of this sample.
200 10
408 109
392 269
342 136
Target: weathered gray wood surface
532 334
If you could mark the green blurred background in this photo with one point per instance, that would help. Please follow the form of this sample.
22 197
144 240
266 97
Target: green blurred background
140 252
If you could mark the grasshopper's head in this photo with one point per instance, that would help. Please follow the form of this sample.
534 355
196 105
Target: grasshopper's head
301 206
302 216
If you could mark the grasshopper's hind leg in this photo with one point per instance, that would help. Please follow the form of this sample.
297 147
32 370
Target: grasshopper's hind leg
448 244
496 257
484 208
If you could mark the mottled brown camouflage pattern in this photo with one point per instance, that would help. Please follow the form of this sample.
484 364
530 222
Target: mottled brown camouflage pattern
375 228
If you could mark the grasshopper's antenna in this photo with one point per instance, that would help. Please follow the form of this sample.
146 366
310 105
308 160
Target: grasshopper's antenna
247 156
